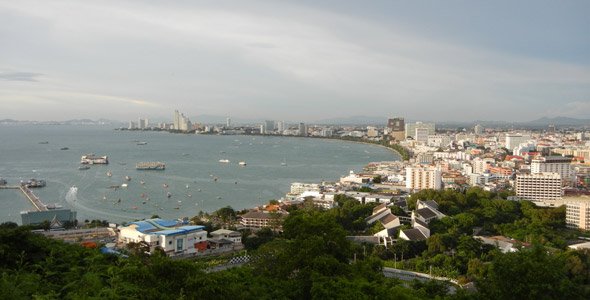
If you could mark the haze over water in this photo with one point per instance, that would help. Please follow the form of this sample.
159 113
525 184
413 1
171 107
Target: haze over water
192 163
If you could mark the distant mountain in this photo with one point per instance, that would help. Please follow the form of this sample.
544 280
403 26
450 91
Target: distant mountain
353 120
68 122
559 121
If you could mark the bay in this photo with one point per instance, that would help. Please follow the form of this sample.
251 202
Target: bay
194 177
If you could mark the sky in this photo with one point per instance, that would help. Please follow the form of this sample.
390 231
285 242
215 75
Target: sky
295 60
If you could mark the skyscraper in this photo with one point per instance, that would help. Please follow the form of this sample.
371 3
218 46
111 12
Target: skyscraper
281 126
302 129
228 122
269 126
396 128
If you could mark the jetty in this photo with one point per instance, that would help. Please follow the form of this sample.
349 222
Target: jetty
37 204
34 199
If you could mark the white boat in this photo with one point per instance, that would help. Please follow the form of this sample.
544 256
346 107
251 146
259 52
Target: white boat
225 161
124 185
242 163
109 174
127 178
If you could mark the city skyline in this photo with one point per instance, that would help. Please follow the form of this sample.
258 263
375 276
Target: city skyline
295 61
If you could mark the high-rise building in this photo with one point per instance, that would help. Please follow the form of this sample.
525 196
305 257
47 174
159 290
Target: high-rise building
514 139
577 213
181 122
302 129
427 177
228 122
280 126
269 126
540 187
411 128
478 129
176 120
142 123
421 135
554 164
396 127
372 131
131 125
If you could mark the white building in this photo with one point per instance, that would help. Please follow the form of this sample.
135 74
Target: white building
512 140
480 165
540 187
172 237
554 164
478 129
228 122
421 134
142 123
419 178
439 140
577 214
298 188
281 126
411 128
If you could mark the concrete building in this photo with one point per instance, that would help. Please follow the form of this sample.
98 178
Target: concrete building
281 126
427 177
554 164
261 219
298 188
396 128
181 122
540 187
132 125
411 129
478 129
421 135
302 129
438 140
142 123
174 237
372 131
228 122
577 214
512 140
269 126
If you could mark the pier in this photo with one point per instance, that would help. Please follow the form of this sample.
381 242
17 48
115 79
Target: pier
39 206
34 199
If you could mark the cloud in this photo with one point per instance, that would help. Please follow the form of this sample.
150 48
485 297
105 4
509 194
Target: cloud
19 76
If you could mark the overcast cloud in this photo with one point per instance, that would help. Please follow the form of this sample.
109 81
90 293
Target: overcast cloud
298 60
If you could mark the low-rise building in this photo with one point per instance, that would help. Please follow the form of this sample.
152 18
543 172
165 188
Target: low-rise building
174 237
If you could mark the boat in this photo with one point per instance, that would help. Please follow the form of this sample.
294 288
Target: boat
141 143
154 165
242 163
142 182
84 167
124 185
92 159
44 142
64 148
32 183
284 163
127 178
168 195
225 161
187 186
165 186
109 174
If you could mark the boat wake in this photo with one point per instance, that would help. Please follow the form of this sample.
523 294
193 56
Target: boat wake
72 195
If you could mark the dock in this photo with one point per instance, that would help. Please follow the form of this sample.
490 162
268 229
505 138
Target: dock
34 199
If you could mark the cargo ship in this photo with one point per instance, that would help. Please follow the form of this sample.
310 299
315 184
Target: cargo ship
91 159
150 166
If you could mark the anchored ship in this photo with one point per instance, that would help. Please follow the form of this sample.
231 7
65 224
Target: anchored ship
150 166
92 159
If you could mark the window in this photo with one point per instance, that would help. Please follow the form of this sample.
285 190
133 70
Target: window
170 243
179 244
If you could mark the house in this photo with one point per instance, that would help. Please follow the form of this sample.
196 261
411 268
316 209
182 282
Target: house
233 236
503 243
412 234
427 211
174 237
389 221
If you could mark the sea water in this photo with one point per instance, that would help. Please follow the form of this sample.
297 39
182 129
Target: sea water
194 180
